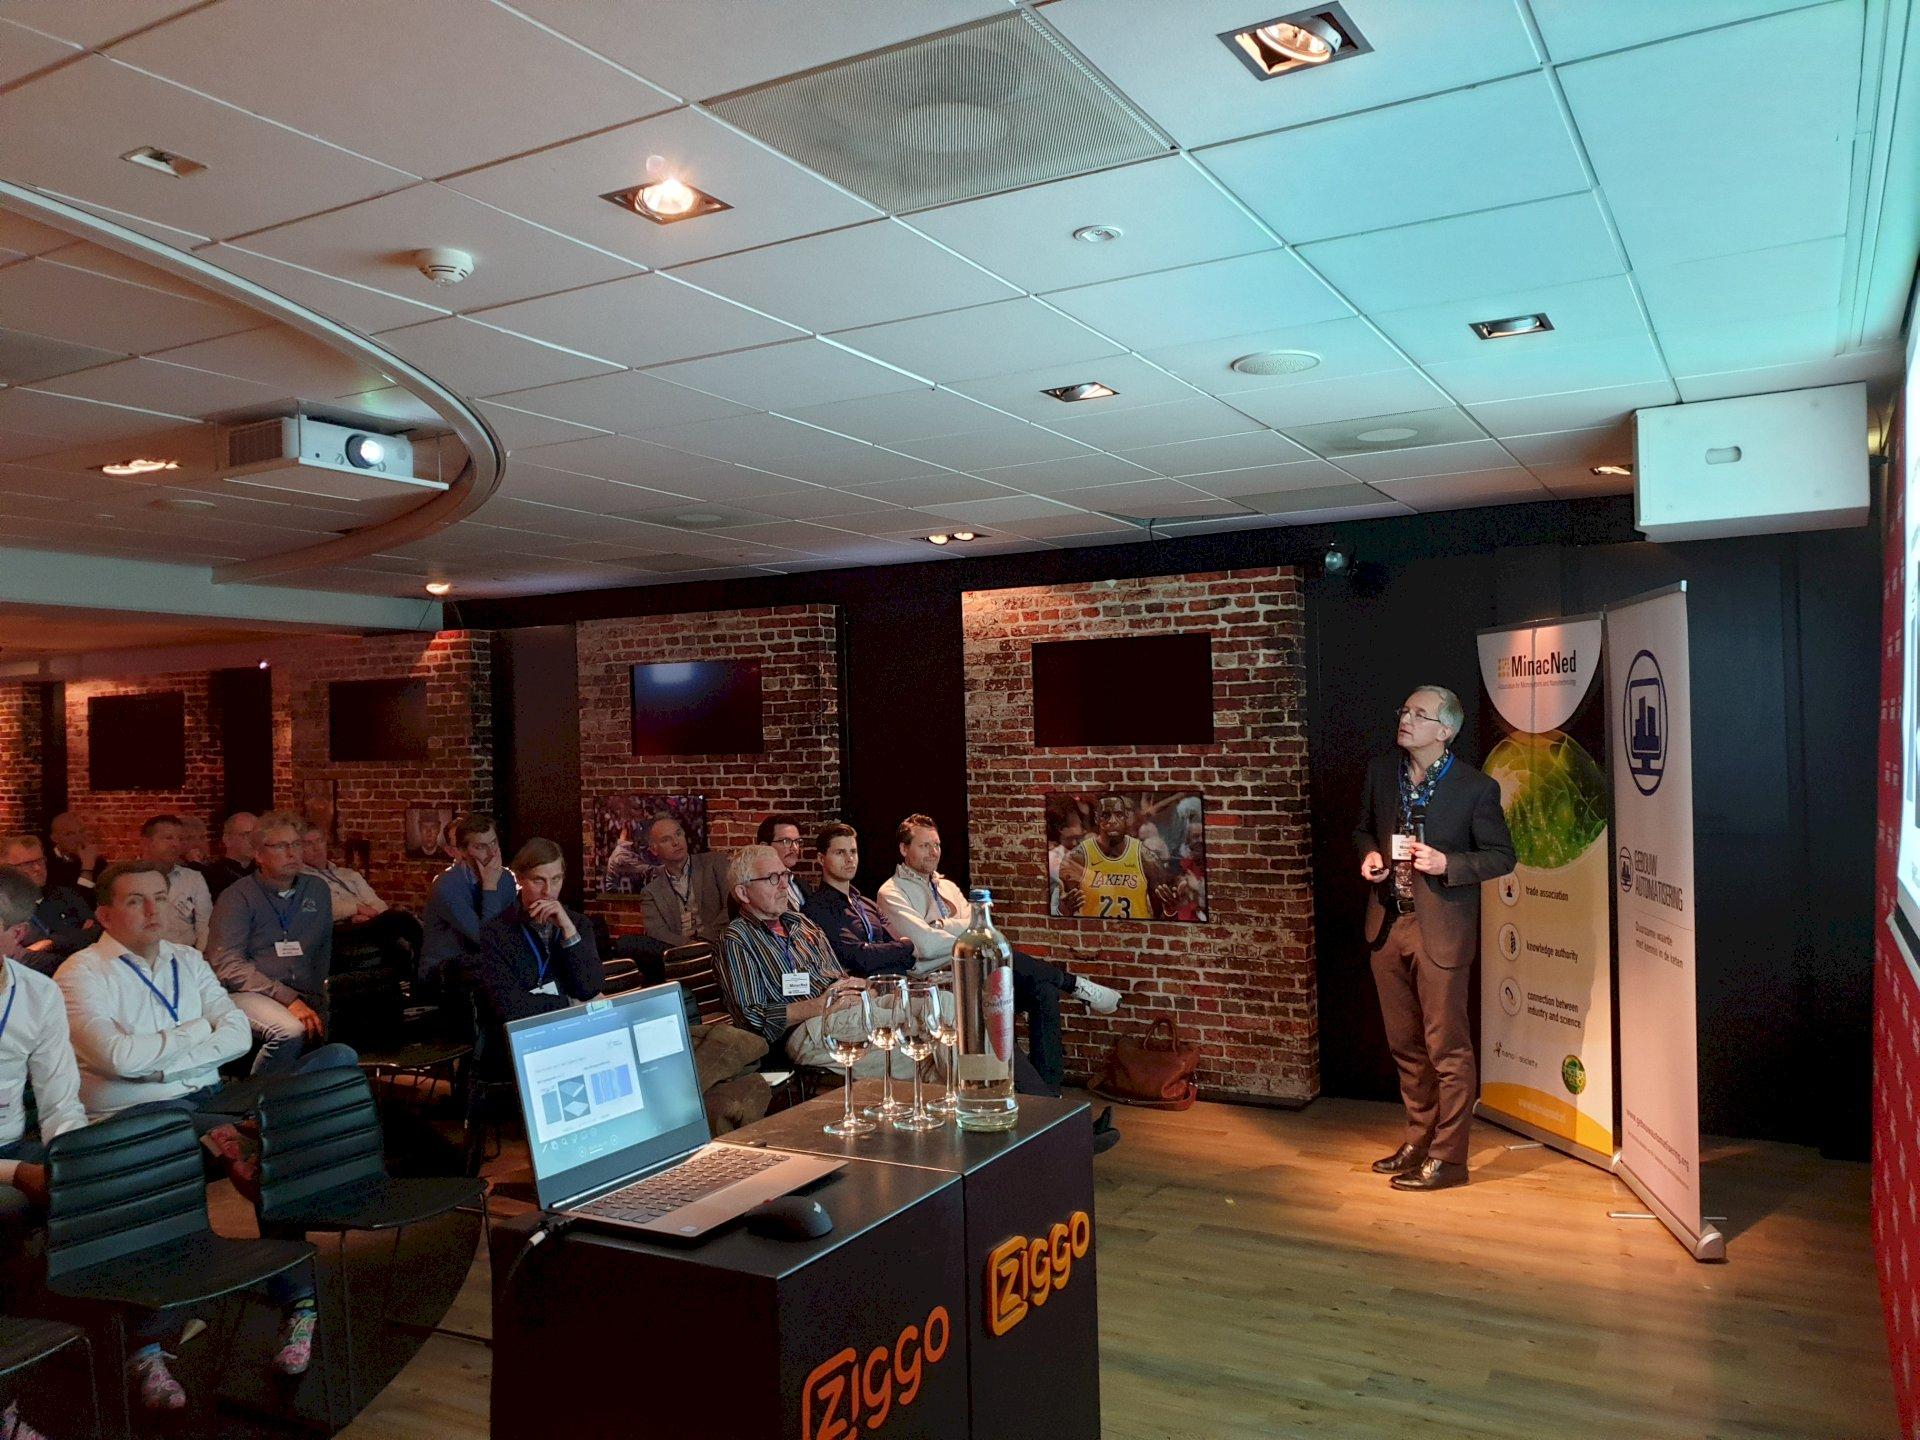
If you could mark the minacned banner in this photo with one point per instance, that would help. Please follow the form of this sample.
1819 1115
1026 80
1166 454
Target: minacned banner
1650 696
1546 983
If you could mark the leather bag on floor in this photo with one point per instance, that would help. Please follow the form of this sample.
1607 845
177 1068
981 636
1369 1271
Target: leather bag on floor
1155 1070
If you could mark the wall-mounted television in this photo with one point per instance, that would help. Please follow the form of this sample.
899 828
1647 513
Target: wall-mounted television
697 707
1133 690
137 742
377 720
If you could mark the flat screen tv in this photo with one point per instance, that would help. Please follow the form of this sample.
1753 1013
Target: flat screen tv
377 720
137 742
697 707
1135 690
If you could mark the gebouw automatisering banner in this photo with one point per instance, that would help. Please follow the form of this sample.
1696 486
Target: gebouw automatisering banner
1650 695
1546 988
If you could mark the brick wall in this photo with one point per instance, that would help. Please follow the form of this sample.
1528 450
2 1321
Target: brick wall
799 769
1241 985
22 750
116 815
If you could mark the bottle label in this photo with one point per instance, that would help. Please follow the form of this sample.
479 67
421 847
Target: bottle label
1402 847
999 1012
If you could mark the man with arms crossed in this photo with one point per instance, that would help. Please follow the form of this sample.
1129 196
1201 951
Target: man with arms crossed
1423 947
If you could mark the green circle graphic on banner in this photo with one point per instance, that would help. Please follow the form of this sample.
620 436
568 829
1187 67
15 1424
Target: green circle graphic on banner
1573 1074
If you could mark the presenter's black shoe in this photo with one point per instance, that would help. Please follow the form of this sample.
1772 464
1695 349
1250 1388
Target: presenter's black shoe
1400 1161
1105 1137
1432 1175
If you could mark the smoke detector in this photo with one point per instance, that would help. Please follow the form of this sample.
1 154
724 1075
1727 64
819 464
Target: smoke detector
442 266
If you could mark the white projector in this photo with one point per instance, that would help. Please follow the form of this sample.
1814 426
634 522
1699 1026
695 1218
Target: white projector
304 456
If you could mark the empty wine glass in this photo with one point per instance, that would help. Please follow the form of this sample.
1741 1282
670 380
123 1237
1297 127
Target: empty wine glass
916 1042
946 1033
848 1029
887 995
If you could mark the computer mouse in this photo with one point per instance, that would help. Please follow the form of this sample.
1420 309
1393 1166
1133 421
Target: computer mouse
790 1217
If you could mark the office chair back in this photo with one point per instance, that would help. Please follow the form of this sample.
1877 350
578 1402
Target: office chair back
318 1131
123 1185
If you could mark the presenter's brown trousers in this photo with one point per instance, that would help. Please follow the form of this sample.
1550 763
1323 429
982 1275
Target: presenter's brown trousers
1424 1006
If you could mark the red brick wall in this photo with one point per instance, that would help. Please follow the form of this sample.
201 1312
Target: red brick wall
1242 984
22 749
115 816
799 769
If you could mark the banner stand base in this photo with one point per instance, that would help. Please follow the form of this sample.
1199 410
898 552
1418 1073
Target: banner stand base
1708 1245
1538 1136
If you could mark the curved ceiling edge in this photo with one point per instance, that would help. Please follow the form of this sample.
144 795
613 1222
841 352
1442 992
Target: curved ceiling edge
472 488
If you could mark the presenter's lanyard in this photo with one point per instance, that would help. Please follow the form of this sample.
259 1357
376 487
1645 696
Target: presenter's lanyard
172 1006
1420 797
540 956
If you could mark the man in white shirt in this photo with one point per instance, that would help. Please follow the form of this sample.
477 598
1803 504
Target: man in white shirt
33 1045
923 906
163 841
360 916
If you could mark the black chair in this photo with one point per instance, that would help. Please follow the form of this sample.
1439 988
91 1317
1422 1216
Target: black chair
25 1344
127 1227
323 1167
694 968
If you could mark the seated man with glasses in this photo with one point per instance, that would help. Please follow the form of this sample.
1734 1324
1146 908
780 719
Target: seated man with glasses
782 832
62 920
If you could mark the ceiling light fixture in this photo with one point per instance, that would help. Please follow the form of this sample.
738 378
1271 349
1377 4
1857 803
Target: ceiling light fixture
1085 390
963 535
666 201
1098 234
1511 326
1613 470
438 587
938 539
1301 41
165 162
138 466
1386 435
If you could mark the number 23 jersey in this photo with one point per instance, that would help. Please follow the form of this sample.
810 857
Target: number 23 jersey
1114 887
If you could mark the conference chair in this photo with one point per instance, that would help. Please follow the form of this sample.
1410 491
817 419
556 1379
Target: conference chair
27 1344
127 1227
323 1168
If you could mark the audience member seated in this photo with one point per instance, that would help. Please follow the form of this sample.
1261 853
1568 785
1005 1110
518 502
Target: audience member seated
686 900
236 851
62 920
151 1025
272 947
193 843
779 966
73 859
782 832
923 906
854 924
359 915
463 898
189 905
536 955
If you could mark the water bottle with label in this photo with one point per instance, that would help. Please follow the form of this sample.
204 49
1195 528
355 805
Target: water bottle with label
983 1002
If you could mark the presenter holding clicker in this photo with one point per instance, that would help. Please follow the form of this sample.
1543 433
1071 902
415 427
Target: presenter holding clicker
1430 832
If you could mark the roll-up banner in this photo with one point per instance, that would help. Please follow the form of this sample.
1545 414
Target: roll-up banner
1650 694
1546 962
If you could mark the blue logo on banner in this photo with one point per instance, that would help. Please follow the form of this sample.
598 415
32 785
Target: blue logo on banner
1626 868
1644 722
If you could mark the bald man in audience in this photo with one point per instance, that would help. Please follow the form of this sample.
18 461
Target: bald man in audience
74 858
686 900
62 920
236 860
189 904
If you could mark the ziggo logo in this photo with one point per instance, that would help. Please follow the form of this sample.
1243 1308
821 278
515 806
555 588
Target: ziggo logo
1022 1273
842 1390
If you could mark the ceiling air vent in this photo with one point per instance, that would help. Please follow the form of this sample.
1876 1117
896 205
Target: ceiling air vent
252 444
971 111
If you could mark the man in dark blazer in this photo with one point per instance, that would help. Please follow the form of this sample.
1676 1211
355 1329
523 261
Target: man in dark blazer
1423 941
536 955
686 900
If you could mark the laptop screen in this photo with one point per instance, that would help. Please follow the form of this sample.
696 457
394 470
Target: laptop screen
608 1089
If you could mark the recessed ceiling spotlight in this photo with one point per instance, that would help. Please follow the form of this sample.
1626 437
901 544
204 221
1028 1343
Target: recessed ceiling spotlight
1613 470
165 162
938 539
1301 41
438 587
1085 390
1386 435
666 201
1098 234
266 665
963 535
1511 326
139 466
1275 362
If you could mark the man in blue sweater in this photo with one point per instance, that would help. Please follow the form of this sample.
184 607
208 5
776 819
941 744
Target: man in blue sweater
463 898
271 944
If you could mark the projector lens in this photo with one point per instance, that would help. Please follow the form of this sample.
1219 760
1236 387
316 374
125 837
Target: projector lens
365 452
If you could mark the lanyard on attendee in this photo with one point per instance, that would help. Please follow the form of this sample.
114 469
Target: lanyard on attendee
13 994
173 1005
939 905
785 942
683 885
859 908
540 956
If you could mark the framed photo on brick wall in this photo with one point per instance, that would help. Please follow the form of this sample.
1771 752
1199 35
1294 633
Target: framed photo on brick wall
1127 854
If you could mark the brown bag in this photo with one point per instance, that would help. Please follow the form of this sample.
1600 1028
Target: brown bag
1143 1072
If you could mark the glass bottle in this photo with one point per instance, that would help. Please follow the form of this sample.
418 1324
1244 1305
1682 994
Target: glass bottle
983 1004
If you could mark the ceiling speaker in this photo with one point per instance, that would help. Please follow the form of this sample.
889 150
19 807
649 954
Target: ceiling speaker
972 111
1276 362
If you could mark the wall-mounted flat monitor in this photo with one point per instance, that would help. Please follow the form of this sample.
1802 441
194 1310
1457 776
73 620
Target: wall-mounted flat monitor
137 742
1133 690
377 720
697 707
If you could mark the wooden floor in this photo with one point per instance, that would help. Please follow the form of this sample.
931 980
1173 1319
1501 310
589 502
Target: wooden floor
1257 1280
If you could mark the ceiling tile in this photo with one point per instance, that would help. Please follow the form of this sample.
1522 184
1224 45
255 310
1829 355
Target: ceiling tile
1883 364
48 298
1197 417
820 502
629 461
1459 492
1067 522
66 422
772 198
518 429
1421 160
1581 313
1322 401
1371 434
174 389
1602 444
283 358
392 403
1772 340
1577 482
1169 60
641 320
1136 383
1348 346
25 358
970 344
933 490
1459 458
1574 29
1224 452
860 464
915 414
1139 497
1048 477
1348 500
67 131
368 311
475 359
788 376
359 82
863 275
626 401
92 22
1168 212
1510 371
1515 247
1701 151
29 237
1734 289
1011 442
1250 486
1008 509
1578 410
1223 297
24 51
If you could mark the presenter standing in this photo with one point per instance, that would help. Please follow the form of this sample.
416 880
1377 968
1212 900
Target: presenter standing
1430 832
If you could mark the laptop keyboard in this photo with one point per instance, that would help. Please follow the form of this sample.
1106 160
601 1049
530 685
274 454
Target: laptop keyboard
698 1178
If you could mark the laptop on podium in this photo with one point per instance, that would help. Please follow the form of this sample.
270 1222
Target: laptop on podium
617 1128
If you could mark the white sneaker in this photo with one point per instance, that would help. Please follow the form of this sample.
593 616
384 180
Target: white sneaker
1101 999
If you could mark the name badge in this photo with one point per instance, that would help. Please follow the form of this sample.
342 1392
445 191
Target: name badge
795 984
552 987
1402 847
288 949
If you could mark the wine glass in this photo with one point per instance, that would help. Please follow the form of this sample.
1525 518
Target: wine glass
946 1033
847 1026
916 1042
887 995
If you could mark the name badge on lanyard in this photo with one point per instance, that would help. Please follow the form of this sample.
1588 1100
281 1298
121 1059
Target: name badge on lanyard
794 984
288 949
